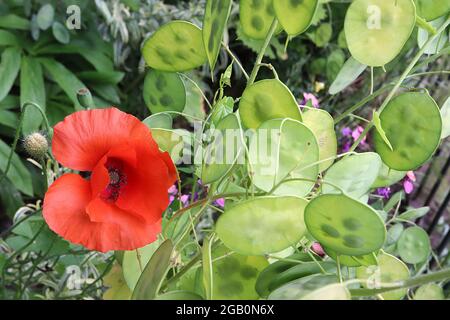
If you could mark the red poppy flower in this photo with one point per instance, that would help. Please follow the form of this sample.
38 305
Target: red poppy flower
120 207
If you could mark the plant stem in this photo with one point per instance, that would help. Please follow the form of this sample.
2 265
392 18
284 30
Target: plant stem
138 257
412 64
235 59
361 103
422 23
198 88
417 281
261 53
202 201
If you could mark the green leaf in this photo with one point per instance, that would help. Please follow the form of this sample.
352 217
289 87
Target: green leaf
414 245
432 9
214 25
394 201
208 280
281 150
350 71
98 59
32 89
295 16
390 269
413 126
262 225
18 173
235 274
12 21
225 77
413 214
8 39
437 44
256 17
164 91
322 35
345 225
265 100
9 119
107 91
60 32
305 289
117 287
130 262
335 62
377 30
387 177
430 291
68 82
321 123
9 69
159 121
177 46
10 198
10 102
297 271
394 234
45 16
224 150
171 141
268 279
355 174
377 124
151 279
221 109
101 77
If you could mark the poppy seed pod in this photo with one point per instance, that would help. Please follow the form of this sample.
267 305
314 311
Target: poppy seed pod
36 145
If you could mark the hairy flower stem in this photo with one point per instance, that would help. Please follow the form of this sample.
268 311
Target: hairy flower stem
261 53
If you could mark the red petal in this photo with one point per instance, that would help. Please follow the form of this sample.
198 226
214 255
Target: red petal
65 212
146 191
84 137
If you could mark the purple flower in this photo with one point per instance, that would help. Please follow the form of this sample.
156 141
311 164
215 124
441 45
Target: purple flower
310 97
408 182
385 192
173 189
346 147
220 202
346 132
184 199
317 248
357 133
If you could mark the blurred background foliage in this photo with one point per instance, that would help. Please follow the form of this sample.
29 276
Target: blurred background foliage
42 60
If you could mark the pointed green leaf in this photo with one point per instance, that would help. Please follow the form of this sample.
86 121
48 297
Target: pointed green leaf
351 70
64 78
214 25
150 281
9 69
32 89
18 174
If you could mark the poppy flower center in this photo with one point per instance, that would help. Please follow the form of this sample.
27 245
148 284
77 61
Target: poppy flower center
117 180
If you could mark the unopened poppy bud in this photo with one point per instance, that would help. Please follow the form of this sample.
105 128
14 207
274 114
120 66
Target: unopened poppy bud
85 99
36 145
